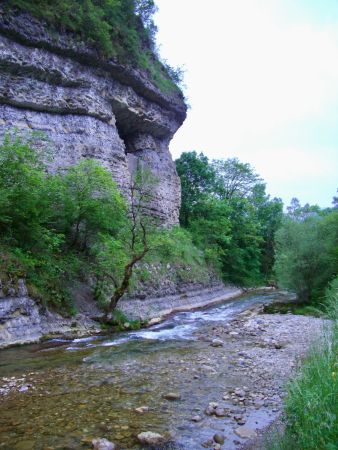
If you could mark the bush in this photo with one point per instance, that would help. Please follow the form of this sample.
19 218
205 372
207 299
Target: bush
48 223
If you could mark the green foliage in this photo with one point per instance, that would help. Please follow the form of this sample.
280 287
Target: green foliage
174 248
121 321
48 223
86 204
119 29
311 407
231 218
307 251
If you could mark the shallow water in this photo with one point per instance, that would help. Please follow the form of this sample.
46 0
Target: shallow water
90 387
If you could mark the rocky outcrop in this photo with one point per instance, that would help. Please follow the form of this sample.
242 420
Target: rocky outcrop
88 107
22 320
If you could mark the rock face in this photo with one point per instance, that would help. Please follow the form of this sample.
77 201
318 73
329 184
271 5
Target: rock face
88 107
22 320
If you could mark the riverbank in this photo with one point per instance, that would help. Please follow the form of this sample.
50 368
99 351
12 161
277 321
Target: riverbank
23 321
227 375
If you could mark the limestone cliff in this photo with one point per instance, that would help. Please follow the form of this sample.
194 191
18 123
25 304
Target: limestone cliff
88 107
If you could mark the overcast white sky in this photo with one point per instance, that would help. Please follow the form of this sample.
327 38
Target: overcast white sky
262 83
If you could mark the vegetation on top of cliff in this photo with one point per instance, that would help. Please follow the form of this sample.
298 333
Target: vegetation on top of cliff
118 29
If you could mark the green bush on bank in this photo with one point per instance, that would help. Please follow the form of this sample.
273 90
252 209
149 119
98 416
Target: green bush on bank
49 222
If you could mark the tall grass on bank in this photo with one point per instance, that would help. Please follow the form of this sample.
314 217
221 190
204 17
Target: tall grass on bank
311 407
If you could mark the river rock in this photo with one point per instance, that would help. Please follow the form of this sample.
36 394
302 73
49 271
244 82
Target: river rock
25 445
279 345
142 409
210 409
172 396
233 333
103 444
240 392
150 438
196 419
246 432
217 343
220 412
219 438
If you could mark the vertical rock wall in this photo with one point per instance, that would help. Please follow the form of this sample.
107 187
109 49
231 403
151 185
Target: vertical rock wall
88 108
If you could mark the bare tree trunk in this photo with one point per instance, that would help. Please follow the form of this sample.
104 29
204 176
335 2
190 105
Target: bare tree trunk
120 290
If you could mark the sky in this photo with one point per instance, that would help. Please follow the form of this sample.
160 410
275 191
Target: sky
261 79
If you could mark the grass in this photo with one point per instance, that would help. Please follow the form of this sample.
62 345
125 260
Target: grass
293 307
311 406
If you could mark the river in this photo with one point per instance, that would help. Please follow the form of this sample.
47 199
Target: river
62 394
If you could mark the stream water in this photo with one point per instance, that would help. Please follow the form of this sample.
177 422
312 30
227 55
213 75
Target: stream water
70 392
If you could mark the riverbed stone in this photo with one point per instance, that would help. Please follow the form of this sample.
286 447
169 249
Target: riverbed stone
217 343
219 438
196 418
150 438
103 444
172 396
142 409
220 412
25 445
246 432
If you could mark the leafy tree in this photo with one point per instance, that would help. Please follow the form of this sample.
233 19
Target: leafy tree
23 211
230 216
269 215
117 258
197 182
307 252
88 204
49 222
234 178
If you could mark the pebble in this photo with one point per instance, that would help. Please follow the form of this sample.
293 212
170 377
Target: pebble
219 438
246 432
196 419
220 412
217 343
103 444
172 396
150 438
142 409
